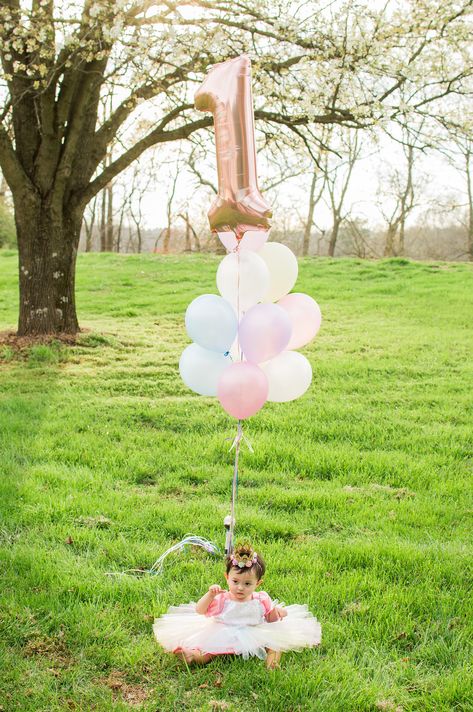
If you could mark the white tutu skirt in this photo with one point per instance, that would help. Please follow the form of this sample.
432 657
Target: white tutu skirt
182 627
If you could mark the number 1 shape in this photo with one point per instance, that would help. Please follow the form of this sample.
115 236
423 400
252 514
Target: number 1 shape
226 92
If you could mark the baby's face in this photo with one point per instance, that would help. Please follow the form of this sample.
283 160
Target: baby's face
241 585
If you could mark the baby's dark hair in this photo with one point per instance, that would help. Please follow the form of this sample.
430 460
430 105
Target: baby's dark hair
249 560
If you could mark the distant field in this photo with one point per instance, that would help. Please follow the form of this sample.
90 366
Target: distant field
358 495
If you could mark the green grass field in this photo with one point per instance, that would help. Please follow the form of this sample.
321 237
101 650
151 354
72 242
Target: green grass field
358 495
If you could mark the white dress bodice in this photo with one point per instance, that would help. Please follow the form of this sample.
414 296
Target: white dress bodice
241 613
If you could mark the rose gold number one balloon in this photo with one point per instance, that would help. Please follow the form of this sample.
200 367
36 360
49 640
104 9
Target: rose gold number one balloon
226 92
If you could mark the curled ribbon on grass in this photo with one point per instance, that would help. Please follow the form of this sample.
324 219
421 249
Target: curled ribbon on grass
157 567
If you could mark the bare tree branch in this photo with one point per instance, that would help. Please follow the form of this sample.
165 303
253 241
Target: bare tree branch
152 139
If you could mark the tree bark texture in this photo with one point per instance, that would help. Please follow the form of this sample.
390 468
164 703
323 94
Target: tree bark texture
47 247
167 240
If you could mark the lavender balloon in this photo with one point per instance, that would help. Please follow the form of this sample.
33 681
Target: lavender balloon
264 332
242 389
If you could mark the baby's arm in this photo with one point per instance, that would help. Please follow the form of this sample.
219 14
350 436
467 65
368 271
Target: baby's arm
275 614
203 604
272 613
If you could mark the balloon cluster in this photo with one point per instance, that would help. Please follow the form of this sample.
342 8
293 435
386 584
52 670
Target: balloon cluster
244 340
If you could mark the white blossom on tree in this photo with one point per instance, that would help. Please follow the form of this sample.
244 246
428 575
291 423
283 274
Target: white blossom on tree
313 64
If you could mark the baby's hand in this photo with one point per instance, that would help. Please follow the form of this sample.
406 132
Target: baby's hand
215 589
276 614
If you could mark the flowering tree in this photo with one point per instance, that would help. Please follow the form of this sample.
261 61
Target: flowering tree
459 151
313 64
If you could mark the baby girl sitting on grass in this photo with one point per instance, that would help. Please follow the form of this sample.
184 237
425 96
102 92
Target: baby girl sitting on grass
240 621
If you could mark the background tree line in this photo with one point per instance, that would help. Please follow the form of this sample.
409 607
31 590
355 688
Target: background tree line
411 213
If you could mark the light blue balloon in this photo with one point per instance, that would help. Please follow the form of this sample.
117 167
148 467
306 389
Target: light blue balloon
201 369
212 323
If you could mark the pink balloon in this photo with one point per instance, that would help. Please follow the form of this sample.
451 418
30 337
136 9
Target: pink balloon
305 316
264 332
242 389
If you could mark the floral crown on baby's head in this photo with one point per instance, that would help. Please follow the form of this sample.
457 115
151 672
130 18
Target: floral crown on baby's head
243 556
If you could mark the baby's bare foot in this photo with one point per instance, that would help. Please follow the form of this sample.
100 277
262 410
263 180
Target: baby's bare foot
192 656
273 659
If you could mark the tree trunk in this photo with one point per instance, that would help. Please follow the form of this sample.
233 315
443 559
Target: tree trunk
470 206
119 231
3 188
402 237
88 237
188 238
469 233
390 244
306 239
167 239
109 226
47 246
333 238
89 228
310 217
103 225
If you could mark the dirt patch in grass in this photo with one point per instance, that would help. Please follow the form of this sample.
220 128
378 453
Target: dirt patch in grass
397 492
99 522
21 343
388 706
53 649
132 694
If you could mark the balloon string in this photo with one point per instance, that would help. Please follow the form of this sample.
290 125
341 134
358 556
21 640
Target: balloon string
237 441
238 301
236 444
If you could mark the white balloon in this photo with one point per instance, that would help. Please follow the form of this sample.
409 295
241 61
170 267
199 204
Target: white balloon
201 369
289 375
251 240
243 279
283 270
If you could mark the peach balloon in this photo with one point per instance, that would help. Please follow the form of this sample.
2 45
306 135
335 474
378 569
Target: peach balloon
305 316
242 389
